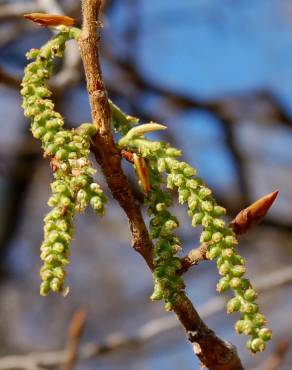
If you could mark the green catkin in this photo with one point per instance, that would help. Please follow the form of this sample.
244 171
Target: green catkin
221 240
68 151
168 285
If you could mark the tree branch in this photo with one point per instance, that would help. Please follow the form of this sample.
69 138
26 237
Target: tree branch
212 351
151 329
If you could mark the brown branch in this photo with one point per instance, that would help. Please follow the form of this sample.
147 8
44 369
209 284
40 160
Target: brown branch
213 352
75 331
104 148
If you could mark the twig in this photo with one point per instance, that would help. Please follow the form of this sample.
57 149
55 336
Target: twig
74 334
193 257
146 332
214 352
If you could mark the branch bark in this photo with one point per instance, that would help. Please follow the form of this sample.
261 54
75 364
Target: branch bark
213 352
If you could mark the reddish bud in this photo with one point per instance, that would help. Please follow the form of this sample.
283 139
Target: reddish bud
142 172
253 214
47 20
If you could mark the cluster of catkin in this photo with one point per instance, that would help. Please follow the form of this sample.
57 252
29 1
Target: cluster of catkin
74 188
68 150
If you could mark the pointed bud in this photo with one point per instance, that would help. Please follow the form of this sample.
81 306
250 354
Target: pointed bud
253 214
142 172
47 20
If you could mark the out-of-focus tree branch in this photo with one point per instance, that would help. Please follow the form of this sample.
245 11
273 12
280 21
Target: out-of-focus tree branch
146 332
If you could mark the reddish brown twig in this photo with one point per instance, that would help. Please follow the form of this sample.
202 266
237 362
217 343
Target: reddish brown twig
74 334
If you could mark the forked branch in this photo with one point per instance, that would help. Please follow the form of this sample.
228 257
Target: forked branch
213 352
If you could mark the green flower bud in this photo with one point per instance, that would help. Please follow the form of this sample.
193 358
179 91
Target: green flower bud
257 345
61 154
204 192
58 247
173 152
189 171
53 236
219 211
219 224
216 237
51 149
192 184
259 319
248 328
161 165
237 260
239 326
170 225
183 195
160 207
265 334
245 284
227 253
178 180
230 240
56 285
214 252
207 221
238 270
39 132
248 307
250 295
207 206
235 282
224 269
197 219
233 305
222 285
205 236
44 288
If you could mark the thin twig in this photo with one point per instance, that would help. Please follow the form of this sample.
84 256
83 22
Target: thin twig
74 335
153 328
193 258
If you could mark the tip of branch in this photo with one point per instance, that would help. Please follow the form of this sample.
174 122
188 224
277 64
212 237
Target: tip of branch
50 20
253 214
